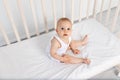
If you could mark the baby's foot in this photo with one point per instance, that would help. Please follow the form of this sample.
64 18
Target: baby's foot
85 40
76 51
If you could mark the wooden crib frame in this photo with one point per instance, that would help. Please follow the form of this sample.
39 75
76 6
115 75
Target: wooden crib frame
32 5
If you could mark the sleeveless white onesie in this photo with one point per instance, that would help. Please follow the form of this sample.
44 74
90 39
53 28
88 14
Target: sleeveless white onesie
62 50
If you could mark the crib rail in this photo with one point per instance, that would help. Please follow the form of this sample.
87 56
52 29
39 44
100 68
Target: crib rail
91 11
23 19
9 14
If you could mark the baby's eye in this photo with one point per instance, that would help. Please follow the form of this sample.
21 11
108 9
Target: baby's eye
68 28
62 28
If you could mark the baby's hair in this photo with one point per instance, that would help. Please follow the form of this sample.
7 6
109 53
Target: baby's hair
63 20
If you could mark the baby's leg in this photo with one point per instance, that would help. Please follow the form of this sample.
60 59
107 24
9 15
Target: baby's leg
85 40
77 43
79 60
74 45
75 60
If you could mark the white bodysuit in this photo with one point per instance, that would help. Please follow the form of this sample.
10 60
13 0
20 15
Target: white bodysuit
62 50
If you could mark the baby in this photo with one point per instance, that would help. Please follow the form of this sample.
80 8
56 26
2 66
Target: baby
61 42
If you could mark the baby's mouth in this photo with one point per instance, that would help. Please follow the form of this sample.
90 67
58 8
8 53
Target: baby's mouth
65 35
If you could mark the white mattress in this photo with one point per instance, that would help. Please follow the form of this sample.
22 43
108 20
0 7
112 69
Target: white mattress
28 59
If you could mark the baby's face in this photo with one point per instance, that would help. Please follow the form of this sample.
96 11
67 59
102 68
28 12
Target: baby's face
64 29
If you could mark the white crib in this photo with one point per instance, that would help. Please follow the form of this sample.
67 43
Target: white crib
27 25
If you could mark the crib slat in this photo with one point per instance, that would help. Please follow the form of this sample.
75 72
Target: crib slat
116 16
101 10
9 14
54 13
34 16
44 15
72 11
4 34
80 9
88 5
23 18
108 12
94 8
63 2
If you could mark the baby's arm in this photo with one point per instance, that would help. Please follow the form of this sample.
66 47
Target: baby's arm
54 47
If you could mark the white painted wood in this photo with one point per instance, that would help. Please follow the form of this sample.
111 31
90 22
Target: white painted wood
116 16
88 6
94 8
101 10
54 13
63 2
72 11
23 18
4 34
108 12
44 14
34 16
9 14
80 9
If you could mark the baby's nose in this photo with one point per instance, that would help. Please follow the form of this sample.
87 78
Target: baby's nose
65 30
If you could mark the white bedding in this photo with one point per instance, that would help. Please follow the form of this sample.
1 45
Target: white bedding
27 59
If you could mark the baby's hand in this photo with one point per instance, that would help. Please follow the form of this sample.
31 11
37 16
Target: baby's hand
65 58
85 40
86 61
76 51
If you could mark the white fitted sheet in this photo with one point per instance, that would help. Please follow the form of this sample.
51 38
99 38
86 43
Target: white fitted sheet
28 59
